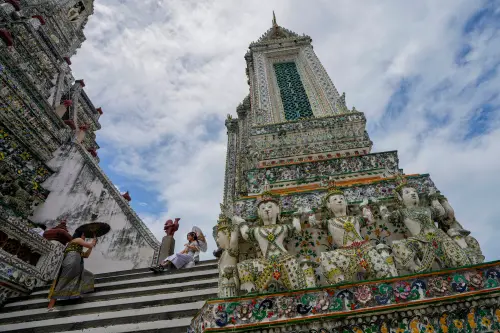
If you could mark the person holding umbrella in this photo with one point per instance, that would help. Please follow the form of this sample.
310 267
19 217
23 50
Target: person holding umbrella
73 280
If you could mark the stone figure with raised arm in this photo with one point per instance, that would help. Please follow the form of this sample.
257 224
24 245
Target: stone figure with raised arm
460 235
276 268
427 243
227 239
353 254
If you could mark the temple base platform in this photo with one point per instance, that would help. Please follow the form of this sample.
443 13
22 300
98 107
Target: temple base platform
465 299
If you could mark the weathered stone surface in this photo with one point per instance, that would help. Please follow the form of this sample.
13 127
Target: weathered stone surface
79 192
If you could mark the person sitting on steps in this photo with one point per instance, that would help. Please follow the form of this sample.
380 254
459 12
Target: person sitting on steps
188 257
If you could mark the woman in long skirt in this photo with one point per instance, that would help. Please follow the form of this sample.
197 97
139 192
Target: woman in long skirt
72 280
185 259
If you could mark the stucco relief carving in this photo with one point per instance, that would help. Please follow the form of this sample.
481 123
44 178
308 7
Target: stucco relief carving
262 110
322 77
320 169
276 269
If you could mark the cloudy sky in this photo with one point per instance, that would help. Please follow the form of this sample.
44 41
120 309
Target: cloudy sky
167 73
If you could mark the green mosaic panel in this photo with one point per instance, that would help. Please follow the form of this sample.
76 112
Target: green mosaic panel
293 95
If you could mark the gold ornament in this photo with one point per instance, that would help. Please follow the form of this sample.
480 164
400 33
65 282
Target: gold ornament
402 182
223 224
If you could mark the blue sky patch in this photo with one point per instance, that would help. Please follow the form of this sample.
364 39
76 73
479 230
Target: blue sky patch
480 121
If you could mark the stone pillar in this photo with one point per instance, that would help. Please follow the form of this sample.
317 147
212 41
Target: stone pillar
168 242
55 99
231 157
167 247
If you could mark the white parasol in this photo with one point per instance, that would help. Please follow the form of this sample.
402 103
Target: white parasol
201 238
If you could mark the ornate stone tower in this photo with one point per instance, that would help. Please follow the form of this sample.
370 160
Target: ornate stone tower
293 115
49 169
317 230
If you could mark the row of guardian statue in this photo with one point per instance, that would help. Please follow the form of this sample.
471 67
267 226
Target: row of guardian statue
435 239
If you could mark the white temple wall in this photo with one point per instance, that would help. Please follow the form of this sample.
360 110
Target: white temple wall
78 194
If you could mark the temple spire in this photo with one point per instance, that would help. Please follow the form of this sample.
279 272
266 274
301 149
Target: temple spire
274 20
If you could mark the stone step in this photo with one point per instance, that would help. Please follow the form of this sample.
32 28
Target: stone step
99 307
159 326
136 274
38 303
152 280
203 267
145 270
58 322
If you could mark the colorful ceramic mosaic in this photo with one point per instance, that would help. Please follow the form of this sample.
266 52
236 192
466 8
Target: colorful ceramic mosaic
21 163
335 121
350 299
24 112
308 245
379 189
315 171
485 317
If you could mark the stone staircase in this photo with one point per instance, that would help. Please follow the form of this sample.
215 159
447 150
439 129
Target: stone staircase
125 301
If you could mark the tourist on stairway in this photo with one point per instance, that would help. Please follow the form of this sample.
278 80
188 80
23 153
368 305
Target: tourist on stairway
73 280
188 257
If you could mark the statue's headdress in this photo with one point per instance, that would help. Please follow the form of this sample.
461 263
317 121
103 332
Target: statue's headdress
401 182
266 197
332 190
223 224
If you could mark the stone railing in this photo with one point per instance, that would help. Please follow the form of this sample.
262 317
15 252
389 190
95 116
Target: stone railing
464 297
26 258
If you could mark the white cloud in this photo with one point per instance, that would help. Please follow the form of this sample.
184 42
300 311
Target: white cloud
167 73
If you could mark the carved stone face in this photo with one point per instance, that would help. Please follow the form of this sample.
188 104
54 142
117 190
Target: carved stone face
268 211
222 240
337 204
410 197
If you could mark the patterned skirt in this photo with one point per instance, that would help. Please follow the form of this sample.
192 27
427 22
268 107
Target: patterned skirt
73 280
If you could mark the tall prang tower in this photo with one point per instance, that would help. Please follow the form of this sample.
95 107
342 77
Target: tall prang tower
320 234
293 115
294 133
